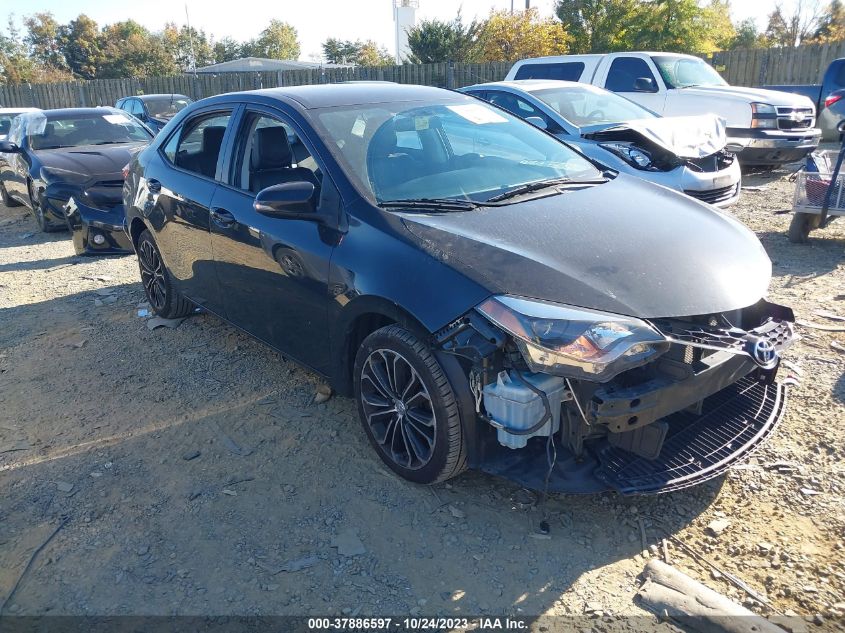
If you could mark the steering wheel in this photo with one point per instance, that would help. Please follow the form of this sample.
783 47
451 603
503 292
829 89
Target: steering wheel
597 114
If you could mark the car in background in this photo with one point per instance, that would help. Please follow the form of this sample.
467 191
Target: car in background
827 96
489 296
683 153
6 117
773 127
74 157
154 110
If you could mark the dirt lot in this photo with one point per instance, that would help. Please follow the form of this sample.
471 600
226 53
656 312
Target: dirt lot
191 471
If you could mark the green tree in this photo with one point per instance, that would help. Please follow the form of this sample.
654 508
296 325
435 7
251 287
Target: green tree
748 35
371 54
42 38
189 47
341 51
788 29
130 50
81 45
509 36
278 41
599 26
227 49
435 41
831 26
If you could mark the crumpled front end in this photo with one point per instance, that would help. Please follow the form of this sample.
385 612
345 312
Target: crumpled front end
680 402
96 219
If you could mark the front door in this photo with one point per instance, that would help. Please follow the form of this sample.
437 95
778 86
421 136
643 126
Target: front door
273 272
182 180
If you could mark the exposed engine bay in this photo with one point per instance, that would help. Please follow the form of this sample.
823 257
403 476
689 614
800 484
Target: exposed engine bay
686 398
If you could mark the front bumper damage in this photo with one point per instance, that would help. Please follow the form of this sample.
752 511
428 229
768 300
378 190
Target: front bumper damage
687 417
97 231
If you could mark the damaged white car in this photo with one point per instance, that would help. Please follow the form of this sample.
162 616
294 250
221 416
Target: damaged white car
688 154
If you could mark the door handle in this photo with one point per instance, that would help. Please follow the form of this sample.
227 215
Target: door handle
221 217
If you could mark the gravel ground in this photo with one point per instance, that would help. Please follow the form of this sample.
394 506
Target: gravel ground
191 471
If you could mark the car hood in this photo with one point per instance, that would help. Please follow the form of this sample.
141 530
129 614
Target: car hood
627 247
684 136
90 160
773 97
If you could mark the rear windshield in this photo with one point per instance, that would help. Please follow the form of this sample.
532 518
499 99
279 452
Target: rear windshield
568 71
166 107
75 130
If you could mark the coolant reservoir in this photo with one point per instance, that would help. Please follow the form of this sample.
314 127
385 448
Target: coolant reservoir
513 405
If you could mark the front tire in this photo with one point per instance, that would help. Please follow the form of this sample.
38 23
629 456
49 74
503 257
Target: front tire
164 299
408 408
8 200
38 211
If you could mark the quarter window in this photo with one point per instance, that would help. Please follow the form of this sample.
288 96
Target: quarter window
570 71
196 146
624 72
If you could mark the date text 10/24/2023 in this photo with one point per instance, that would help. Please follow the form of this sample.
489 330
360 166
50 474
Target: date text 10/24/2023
412 624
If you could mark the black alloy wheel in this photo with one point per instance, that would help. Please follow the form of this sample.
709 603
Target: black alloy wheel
408 408
165 301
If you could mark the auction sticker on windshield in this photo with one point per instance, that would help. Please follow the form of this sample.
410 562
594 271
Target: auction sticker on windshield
477 113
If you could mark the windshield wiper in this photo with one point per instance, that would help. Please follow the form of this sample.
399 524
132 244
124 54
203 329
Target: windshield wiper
437 204
109 142
542 184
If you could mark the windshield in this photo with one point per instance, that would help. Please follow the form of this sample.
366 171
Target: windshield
685 72
166 107
452 150
75 130
584 107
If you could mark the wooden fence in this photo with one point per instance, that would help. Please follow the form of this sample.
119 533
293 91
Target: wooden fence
107 91
777 66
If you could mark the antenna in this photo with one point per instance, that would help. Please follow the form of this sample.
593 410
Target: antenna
193 65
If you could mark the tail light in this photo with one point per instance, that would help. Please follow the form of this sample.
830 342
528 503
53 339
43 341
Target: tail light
831 99
125 171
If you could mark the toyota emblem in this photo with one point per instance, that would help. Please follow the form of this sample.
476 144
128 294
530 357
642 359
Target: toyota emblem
764 353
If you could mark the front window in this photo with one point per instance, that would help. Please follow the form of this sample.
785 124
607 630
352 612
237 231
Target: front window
686 72
584 107
166 107
107 127
455 149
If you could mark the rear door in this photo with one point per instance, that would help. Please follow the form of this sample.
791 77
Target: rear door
183 178
274 271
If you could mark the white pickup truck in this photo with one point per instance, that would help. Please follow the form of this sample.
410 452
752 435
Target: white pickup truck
772 127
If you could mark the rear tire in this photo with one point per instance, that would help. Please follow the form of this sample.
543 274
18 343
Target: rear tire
408 408
164 299
8 200
801 225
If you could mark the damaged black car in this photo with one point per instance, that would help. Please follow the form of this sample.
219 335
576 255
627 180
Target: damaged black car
491 298
67 166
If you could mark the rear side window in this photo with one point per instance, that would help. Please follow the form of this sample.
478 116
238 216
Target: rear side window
624 72
196 146
840 76
568 71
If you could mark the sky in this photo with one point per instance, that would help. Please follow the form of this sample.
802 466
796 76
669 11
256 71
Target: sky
315 20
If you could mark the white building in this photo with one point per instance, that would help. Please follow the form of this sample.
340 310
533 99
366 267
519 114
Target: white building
404 17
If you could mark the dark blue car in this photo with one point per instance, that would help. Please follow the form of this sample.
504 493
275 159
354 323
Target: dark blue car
489 296
154 110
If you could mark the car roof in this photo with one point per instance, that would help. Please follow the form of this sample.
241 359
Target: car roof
327 95
161 95
13 110
63 112
533 85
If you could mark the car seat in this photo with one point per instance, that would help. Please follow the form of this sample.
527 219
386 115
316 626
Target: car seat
271 159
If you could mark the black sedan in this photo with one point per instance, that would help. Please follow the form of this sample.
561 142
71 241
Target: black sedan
489 296
154 110
67 166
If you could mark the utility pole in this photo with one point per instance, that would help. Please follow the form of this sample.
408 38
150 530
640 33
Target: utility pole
191 40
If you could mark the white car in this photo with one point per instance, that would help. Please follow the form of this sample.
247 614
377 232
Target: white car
6 116
773 127
687 154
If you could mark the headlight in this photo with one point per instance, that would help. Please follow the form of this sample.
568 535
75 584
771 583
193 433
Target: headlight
764 116
55 174
636 157
574 342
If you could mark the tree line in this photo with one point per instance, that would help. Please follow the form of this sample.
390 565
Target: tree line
45 50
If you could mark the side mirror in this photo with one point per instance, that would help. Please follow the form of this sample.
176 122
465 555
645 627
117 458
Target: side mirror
841 127
7 147
537 121
644 84
288 200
